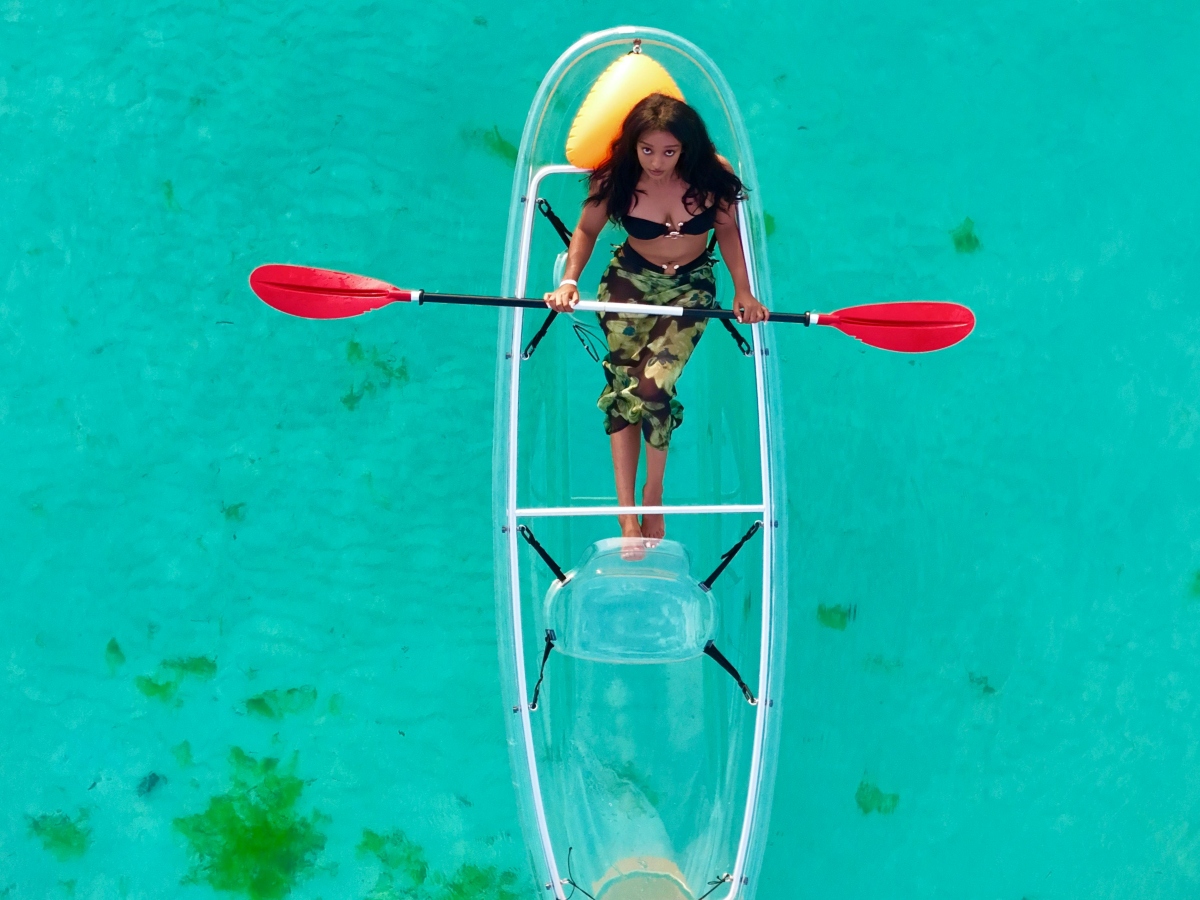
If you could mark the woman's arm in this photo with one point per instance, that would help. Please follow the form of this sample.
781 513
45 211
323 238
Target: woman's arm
745 306
583 241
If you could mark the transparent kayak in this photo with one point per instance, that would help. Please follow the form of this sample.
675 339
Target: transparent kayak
642 771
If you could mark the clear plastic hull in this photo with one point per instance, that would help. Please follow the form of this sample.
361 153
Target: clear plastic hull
637 780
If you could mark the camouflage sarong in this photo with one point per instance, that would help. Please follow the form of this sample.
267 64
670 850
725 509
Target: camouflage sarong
646 354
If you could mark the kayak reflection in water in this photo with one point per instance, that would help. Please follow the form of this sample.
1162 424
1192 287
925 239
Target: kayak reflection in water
664 167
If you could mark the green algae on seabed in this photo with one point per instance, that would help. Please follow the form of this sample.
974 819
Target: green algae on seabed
472 882
383 369
879 663
113 655
251 840
965 240
405 875
202 667
405 867
61 835
183 753
981 682
1196 584
494 143
276 704
234 512
157 690
768 223
391 371
164 688
835 617
168 190
352 398
871 799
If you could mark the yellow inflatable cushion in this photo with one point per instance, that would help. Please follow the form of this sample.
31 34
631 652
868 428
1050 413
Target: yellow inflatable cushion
620 88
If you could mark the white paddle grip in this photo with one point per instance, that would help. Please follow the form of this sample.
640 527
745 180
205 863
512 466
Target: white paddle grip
633 309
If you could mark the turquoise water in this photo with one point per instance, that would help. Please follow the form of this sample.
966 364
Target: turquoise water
226 529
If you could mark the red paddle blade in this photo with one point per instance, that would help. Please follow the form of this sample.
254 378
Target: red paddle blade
917 326
322 293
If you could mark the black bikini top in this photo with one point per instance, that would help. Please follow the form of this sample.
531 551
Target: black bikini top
648 230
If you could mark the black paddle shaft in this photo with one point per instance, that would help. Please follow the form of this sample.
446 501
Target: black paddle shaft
471 300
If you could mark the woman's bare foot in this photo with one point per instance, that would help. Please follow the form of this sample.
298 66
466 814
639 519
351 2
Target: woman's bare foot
653 526
633 547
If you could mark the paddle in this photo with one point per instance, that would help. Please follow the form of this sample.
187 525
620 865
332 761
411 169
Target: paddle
916 326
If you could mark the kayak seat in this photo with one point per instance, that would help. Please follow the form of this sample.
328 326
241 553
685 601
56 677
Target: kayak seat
618 610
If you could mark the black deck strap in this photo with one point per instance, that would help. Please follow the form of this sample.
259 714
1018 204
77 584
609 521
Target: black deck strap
710 649
743 344
543 206
713 885
541 333
727 556
524 531
537 688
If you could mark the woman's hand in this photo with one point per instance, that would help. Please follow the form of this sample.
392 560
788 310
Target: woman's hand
563 298
748 310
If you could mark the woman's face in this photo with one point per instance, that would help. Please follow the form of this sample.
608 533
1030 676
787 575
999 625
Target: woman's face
658 152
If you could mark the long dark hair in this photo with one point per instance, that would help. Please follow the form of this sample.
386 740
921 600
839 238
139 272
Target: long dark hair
614 181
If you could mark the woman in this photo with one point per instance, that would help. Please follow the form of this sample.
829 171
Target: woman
666 186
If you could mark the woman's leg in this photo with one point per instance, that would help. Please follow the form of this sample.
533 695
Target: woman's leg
646 356
626 446
646 380
653 525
